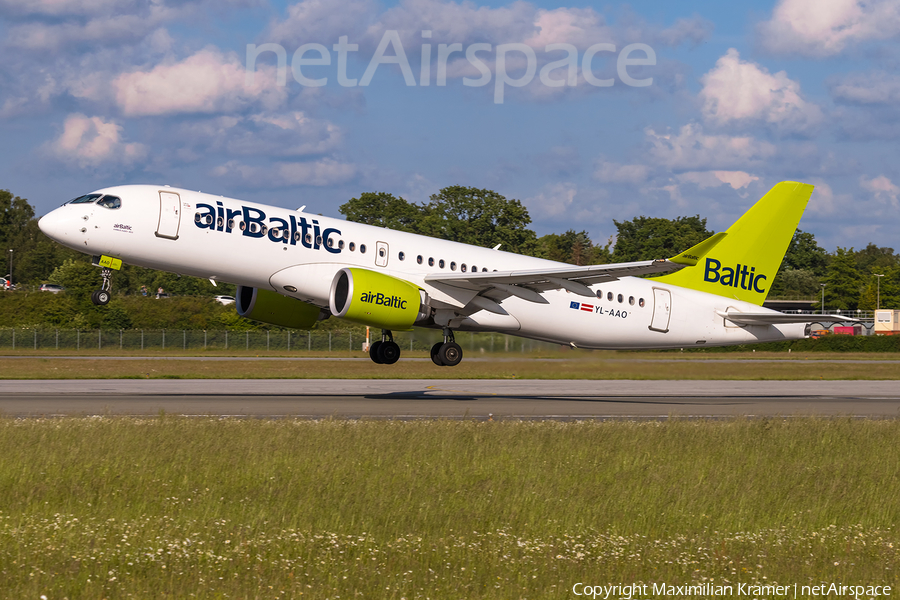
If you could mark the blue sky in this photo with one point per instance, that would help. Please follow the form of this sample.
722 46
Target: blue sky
685 108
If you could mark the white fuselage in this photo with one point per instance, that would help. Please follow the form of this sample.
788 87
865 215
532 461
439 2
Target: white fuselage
293 252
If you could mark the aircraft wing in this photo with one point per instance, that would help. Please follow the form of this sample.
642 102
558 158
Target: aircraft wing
574 279
527 284
767 318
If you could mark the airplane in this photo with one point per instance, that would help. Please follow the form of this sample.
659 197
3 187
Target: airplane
292 269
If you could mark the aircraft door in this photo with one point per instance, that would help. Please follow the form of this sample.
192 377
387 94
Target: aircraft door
662 310
381 254
169 215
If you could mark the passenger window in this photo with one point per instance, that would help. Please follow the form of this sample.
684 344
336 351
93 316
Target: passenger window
484 269
609 296
401 256
419 259
362 248
453 266
430 262
620 298
330 243
641 303
111 202
599 295
381 252
474 269
462 267
352 246
631 300
309 238
340 244
441 263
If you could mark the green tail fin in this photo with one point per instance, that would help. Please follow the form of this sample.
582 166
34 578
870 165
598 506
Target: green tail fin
743 264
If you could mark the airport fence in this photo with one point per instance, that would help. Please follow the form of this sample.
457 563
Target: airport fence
257 341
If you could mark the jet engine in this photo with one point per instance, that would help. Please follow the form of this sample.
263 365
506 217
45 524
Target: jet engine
271 307
376 299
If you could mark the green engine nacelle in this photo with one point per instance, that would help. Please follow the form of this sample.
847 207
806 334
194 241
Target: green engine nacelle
271 307
376 299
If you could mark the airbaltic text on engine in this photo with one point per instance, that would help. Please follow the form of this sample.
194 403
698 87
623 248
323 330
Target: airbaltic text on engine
737 277
381 299
277 230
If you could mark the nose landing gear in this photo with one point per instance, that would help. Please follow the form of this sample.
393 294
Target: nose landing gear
447 353
386 351
101 297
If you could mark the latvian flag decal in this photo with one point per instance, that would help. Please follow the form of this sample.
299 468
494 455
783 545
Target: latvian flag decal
581 306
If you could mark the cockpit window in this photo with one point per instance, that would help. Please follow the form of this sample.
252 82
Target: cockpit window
110 202
86 199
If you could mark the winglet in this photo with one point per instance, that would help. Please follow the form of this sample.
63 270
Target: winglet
692 255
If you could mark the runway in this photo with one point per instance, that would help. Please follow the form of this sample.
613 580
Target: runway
478 399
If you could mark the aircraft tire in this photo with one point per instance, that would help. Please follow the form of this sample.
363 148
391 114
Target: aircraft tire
435 351
373 352
388 353
450 354
102 298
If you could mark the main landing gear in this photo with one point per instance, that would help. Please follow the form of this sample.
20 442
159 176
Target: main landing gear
386 351
446 353
101 296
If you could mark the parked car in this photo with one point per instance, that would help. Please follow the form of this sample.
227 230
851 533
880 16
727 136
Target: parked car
4 283
226 300
52 288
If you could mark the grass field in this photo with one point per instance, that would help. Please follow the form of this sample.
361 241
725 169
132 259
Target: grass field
181 508
597 365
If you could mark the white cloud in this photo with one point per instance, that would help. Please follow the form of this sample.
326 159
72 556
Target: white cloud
288 134
882 188
91 142
818 28
55 8
692 150
610 172
707 179
553 201
322 21
207 82
868 88
320 173
742 91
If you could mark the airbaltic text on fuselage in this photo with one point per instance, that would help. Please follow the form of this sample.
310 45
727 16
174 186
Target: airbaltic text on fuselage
382 300
253 224
737 277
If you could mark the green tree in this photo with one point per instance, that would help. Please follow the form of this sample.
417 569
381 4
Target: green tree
15 213
842 282
886 291
795 283
646 238
79 277
573 248
479 217
875 259
804 253
383 210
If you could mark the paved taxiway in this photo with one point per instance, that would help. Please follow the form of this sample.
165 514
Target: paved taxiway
391 398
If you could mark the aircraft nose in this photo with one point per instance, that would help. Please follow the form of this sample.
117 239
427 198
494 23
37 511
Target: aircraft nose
57 224
50 224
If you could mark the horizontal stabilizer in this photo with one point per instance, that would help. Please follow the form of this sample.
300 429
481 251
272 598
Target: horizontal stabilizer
692 255
776 318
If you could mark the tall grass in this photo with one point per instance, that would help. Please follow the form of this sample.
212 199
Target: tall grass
176 507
